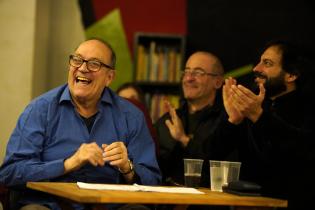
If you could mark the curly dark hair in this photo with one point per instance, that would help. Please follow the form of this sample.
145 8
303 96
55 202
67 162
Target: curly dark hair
296 59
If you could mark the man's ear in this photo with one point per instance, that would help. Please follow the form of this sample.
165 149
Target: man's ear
219 82
110 77
291 77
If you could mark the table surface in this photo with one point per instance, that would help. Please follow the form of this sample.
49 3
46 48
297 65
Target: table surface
73 192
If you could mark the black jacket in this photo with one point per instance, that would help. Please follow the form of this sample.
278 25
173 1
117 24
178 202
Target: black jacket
200 126
278 151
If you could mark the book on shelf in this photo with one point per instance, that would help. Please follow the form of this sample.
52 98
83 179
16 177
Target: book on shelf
158 63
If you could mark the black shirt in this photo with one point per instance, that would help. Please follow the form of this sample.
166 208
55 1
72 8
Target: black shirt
89 122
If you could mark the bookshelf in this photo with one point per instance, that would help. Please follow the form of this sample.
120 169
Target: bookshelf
158 61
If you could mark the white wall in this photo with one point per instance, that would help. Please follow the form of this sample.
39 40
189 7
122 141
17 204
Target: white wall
17 22
36 38
66 33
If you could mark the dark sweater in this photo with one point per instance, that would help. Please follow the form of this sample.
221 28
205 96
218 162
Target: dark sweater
278 151
200 126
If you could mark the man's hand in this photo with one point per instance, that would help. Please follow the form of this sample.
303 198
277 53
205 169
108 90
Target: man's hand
235 117
248 103
175 126
87 153
117 155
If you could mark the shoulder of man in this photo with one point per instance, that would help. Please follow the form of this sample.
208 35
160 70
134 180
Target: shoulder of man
53 95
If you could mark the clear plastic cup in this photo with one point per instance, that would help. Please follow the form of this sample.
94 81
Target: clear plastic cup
193 168
223 172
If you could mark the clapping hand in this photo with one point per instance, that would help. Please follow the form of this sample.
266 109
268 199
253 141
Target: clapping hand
240 102
248 103
175 126
235 116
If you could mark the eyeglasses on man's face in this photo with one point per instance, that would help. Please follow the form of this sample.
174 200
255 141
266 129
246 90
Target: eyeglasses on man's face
91 65
198 72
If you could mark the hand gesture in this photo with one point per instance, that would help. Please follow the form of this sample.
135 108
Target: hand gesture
248 103
235 116
116 154
175 126
87 153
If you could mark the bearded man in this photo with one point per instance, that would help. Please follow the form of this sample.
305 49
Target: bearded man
273 129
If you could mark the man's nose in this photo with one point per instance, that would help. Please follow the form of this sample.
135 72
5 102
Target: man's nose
83 67
189 76
257 68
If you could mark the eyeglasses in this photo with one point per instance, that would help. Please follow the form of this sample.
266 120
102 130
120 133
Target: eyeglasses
92 65
198 73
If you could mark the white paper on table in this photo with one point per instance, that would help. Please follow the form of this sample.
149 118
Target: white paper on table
136 187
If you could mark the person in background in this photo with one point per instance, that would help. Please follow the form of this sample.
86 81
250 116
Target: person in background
187 131
134 94
274 128
80 131
130 90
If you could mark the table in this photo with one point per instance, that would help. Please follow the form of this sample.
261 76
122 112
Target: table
73 192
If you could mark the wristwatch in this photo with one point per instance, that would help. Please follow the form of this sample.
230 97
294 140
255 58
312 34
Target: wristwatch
130 166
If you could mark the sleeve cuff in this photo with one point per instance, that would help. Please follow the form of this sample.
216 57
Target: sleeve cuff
54 168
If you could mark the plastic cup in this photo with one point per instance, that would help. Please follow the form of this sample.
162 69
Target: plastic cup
193 168
223 172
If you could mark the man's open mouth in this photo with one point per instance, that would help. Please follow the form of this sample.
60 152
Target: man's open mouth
83 80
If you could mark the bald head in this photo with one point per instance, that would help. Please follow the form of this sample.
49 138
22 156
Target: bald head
207 61
107 46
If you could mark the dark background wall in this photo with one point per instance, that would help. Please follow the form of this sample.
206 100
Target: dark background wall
233 29
236 29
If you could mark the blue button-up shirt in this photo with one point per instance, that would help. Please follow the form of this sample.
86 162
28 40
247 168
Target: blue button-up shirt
50 130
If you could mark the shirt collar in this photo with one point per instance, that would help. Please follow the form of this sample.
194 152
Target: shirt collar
106 95
65 96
